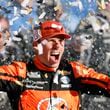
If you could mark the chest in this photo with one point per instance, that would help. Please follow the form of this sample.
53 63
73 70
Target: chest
49 91
49 100
60 80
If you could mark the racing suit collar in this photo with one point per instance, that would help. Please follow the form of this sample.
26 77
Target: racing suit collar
41 66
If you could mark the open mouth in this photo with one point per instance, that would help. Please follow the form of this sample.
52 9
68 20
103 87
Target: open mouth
55 56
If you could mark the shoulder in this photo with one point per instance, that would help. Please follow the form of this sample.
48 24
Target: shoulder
76 64
16 68
79 69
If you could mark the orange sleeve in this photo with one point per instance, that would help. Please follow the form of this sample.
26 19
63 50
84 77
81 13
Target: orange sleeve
13 71
89 76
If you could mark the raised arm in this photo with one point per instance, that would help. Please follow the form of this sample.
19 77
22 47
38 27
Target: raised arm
10 75
89 76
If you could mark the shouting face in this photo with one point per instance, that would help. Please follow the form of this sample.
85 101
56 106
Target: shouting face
52 51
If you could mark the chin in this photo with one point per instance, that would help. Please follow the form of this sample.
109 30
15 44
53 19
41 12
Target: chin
54 65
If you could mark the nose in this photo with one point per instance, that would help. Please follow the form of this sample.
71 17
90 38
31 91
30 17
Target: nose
57 44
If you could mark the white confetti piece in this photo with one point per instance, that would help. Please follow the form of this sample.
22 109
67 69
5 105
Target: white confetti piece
42 15
24 12
14 19
15 11
25 3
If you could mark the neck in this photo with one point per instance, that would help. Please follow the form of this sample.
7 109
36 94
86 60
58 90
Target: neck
42 66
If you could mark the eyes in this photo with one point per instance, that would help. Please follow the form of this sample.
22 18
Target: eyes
88 37
4 31
54 41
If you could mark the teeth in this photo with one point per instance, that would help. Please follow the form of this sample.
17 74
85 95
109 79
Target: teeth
56 53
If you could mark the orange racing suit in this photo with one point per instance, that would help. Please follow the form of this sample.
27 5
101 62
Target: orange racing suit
34 86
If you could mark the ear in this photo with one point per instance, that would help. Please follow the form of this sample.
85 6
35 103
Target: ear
38 49
35 49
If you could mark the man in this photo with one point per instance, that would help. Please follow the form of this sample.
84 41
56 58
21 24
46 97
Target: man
4 39
48 83
4 32
6 46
